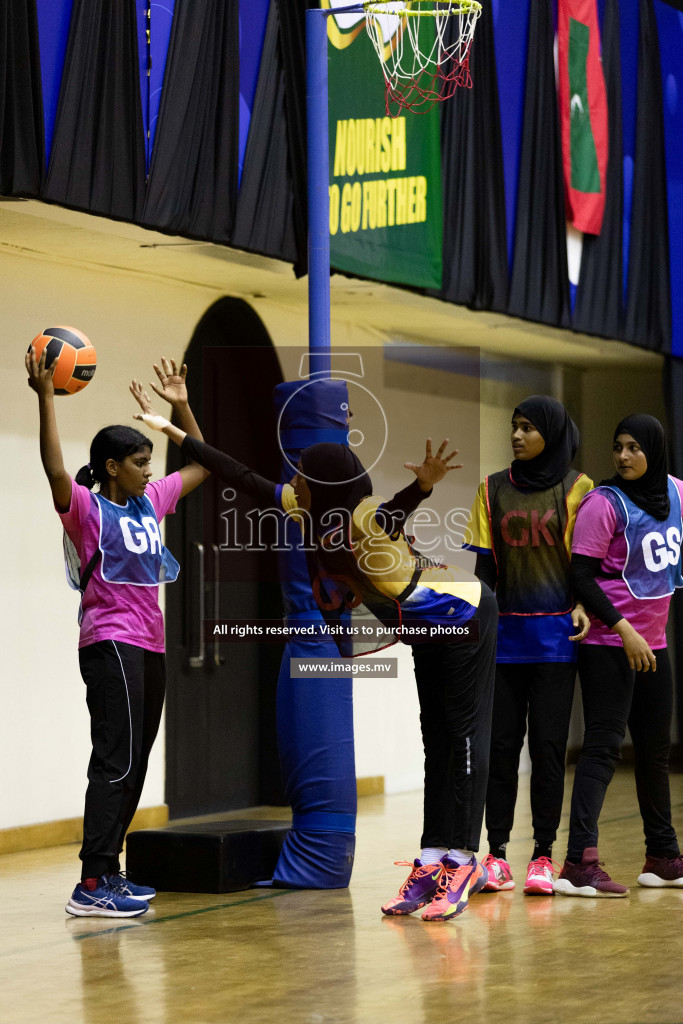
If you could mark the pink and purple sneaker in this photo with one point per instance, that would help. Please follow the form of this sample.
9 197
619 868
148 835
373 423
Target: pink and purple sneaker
458 882
417 890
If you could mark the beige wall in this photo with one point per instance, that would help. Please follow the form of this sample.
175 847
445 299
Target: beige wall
134 319
605 399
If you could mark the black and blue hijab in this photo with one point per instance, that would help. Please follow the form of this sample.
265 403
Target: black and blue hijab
561 436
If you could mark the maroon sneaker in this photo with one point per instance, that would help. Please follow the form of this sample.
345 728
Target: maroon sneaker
662 872
587 878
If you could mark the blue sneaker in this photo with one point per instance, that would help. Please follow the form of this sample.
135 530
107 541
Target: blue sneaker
123 884
104 901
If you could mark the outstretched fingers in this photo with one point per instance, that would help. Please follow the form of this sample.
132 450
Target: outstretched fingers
440 451
170 369
442 456
447 458
169 366
140 395
171 380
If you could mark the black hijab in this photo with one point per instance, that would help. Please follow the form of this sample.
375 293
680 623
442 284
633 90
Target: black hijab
651 491
561 437
337 481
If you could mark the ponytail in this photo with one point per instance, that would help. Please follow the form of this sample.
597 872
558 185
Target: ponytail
84 477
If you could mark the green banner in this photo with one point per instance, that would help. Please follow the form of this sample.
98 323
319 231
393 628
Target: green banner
584 158
385 173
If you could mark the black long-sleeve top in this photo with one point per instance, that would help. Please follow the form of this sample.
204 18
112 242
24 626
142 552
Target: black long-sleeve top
486 570
391 515
584 569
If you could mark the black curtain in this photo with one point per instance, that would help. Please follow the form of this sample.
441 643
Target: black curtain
293 47
600 297
475 270
264 221
22 142
539 288
648 305
98 151
673 394
192 187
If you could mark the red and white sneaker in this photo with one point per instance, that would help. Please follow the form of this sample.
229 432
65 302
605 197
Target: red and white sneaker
539 877
500 875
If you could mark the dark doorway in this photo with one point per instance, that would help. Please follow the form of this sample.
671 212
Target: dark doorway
221 748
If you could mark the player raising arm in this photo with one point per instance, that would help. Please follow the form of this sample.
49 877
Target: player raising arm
116 559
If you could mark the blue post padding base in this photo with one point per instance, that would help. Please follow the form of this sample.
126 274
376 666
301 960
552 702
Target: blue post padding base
314 715
315 737
315 860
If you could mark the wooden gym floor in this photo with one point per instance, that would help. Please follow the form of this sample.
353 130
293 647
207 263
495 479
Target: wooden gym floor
331 958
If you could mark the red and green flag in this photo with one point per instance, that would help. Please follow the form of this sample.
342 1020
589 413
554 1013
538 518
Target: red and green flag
583 113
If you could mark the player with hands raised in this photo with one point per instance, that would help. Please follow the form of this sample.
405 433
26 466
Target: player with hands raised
362 554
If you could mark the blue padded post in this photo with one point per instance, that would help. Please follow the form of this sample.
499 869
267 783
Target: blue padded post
318 185
314 716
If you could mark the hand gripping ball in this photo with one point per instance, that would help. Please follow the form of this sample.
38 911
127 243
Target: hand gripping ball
71 353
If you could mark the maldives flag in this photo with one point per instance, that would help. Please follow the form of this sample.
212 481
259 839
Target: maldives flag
583 113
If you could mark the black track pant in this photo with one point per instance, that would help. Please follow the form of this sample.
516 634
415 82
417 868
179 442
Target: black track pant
614 696
543 692
125 695
455 689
